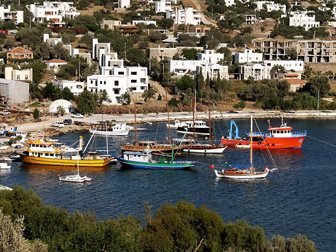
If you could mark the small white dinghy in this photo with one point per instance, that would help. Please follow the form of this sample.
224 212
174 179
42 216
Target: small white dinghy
4 165
75 178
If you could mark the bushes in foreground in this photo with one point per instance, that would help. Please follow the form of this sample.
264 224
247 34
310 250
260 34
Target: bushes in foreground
180 227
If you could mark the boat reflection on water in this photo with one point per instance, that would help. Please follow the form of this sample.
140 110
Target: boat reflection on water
52 169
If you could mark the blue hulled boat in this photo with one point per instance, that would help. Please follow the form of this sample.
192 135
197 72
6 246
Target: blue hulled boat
145 160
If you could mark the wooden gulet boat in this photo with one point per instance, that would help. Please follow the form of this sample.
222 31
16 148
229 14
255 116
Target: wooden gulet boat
243 174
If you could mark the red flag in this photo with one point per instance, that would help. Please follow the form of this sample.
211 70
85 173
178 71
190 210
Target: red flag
212 166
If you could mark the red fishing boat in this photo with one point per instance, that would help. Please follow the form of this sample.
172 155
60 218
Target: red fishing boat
282 137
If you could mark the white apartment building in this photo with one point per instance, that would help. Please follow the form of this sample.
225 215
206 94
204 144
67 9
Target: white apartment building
304 19
261 71
187 16
18 74
53 12
6 14
162 6
270 6
100 49
76 87
117 81
247 56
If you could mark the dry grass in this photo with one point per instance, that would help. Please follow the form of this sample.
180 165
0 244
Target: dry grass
91 9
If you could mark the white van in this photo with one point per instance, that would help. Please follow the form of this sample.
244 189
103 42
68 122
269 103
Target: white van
58 124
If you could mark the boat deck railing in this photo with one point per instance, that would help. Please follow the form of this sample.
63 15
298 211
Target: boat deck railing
293 134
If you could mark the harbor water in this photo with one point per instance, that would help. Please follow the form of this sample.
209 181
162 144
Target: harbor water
298 196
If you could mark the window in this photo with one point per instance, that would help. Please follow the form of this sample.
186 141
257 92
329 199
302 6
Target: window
133 73
133 81
116 83
121 73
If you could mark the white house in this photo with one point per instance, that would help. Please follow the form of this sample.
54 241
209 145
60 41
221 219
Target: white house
55 64
76 87
270 6
210 57
303 18
51 41
53 12
18 74
260 71
206 63
184 16
124 4
14 91
247 56
162 6
229 2
119 80
144 21
6 14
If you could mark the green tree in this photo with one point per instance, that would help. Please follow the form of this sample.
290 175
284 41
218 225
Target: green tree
126 98
87 102
148 94
189 54
317 85
136 56
36 114
103 97
165 23
277 71
67 94
35 91
39 69
60 110
186 82
52 92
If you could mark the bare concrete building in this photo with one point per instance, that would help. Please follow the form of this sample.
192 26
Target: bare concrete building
308 50
14 91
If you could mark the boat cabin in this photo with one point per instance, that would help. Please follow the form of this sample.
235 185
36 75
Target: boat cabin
137 156
282 131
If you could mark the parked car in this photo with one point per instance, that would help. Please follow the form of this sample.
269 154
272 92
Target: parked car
78 115
58 124
67 121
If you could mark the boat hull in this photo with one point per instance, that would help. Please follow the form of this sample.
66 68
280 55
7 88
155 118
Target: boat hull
192 131
65 162
204 149
268 142
241 175
110 133
176 165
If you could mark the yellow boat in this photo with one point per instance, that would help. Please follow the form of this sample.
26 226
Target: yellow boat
46 152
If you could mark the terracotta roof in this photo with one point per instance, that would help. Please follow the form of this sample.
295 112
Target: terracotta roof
296 81
19 50
57 61
291 75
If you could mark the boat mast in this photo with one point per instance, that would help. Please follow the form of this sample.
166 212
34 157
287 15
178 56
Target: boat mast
210 121
251 149
169 132
135 125
193 113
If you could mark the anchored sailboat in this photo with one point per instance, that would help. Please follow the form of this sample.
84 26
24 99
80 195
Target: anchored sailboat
250 173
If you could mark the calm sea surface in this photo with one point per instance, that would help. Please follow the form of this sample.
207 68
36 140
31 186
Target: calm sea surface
297 198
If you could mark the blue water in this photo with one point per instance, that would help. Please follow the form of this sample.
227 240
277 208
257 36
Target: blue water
297 198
